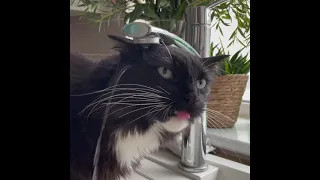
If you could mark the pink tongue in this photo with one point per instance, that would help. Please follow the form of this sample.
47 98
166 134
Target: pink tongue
183 115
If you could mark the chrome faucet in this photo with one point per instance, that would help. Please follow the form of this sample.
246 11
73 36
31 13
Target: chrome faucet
197 41
198 35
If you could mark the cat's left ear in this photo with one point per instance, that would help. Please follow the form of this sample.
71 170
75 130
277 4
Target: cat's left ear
211 62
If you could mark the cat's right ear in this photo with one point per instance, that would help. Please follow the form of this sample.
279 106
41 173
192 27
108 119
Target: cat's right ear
124 45
211 62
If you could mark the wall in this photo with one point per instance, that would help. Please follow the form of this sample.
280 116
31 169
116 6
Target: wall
85 37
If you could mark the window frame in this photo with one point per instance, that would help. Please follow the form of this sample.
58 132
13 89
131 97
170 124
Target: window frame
246 95
245 104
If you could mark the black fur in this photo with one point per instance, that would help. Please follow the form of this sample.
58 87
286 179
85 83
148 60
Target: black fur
133 65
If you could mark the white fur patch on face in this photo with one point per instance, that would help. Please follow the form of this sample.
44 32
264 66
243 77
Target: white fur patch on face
133 146
175 125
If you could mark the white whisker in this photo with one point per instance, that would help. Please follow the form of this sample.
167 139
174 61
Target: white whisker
138 110
148 96
97 151
143 116
156 114
164 45
163 90
125 88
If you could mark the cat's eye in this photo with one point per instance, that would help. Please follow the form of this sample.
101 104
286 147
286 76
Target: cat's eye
165 73
201 83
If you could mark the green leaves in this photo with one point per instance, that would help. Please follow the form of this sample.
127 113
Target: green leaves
149 12
138 10
240 11
236 64
166 13
163 4
212 49
181 10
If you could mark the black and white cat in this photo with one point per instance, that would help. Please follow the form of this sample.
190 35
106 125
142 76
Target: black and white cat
145 95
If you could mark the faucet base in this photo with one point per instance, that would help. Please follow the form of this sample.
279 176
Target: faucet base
193 169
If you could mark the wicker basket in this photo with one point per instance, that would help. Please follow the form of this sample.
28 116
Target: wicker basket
225 100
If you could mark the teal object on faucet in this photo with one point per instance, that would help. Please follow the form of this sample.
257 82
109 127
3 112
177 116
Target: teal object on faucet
136 30
142 34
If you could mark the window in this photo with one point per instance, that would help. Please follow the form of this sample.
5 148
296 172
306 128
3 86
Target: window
246 96
217 38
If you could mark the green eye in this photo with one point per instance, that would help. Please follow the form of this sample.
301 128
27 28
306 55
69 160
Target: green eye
165 73
201 83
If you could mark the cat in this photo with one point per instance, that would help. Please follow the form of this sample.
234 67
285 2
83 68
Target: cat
146 95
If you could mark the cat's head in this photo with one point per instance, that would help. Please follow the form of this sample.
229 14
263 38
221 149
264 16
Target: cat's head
160 84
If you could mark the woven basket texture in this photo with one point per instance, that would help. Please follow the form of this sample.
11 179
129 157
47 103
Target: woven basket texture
225 100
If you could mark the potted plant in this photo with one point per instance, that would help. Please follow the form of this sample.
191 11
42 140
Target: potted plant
169 14
227 90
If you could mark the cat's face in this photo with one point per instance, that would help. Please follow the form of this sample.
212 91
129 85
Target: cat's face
162 84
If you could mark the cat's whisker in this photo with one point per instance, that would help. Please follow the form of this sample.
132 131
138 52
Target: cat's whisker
165 110
217 115
215 104
136 94
211 123
122 96
135 104
120 85
216 121
97 152
220 148
130 104
221 121
143 116
139 110
163 90
222 131
127 89
150 88
95 92
127 98
214 112
162 115
144 100
95 104
145 93
157 112
122 100
218 118
119 109
216 125
166 114
164 45
152 110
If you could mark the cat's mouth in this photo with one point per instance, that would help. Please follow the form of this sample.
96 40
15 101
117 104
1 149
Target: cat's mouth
177 122
182 115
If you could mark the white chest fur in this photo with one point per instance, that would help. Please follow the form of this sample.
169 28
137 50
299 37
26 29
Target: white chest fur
134 145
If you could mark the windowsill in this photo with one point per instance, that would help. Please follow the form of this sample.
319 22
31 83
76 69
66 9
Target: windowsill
236 139
246 96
